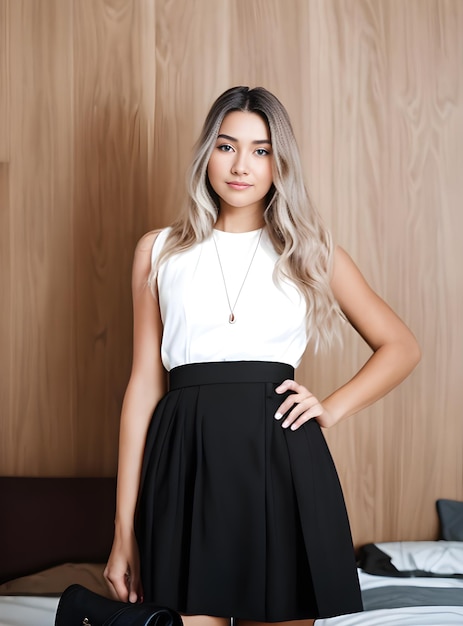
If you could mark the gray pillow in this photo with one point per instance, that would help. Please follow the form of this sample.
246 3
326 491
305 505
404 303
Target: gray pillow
450 514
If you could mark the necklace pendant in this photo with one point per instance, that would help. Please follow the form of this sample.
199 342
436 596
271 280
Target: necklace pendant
231 317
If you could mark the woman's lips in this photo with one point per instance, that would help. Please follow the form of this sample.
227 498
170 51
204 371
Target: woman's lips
238 186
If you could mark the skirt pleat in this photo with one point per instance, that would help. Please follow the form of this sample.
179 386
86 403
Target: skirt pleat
238 517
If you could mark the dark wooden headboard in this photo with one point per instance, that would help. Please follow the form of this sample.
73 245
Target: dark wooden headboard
48 521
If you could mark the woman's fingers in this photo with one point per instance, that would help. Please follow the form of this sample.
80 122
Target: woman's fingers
135 588
124 582
117 584
299 407
125 587
122 572
295 419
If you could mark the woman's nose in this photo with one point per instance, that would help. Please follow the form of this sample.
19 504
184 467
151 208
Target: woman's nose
240 165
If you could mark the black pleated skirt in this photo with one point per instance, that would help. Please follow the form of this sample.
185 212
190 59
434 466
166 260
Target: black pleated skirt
237 516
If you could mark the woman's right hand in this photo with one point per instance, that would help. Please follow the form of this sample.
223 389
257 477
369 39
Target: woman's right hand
122 571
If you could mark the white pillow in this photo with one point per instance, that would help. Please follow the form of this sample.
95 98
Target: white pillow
437 557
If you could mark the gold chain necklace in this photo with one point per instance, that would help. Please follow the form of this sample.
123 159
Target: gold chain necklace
232 317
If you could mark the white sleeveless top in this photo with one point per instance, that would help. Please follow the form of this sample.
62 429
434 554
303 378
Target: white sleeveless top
270 319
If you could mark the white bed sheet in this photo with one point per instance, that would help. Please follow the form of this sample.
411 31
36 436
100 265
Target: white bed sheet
27 611
369 581
409 616
439 557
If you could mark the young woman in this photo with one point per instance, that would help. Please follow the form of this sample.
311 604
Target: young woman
228 501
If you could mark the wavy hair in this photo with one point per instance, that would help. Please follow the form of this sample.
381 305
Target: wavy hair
294 226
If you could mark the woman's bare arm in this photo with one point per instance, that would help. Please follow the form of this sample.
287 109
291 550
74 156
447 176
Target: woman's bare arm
395 353
146 386
395 349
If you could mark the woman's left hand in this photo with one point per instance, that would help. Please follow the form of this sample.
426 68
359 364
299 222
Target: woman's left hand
300 407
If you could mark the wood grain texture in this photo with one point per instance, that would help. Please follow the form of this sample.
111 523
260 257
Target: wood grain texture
7 425
5 278
4 82
192 59
348 126
104 101
379 114
425 109
114 80
40 211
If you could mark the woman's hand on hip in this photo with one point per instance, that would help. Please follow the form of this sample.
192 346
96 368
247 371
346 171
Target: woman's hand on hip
300 407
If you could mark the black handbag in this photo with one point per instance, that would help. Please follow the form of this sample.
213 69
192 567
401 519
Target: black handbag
78 606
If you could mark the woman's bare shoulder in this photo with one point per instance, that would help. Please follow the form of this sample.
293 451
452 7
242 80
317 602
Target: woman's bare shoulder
142 261
146 242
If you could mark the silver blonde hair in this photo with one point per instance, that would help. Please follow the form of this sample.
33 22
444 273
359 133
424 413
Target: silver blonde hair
295 228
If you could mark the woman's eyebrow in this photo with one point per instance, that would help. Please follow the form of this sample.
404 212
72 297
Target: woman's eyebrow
229 138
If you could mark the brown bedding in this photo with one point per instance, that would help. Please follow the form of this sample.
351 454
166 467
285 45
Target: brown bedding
53 581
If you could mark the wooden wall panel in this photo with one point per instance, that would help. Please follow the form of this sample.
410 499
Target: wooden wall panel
270 49
104 101
5 282
426 132
114 81
4 83
192 59
40 210
345 147
7 425
380 113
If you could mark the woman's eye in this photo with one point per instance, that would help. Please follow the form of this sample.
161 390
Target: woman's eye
225 147
262 152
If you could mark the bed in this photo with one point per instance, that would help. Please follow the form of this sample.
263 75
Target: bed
413 583
405 602
58 531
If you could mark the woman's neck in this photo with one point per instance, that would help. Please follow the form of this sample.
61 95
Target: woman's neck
234 222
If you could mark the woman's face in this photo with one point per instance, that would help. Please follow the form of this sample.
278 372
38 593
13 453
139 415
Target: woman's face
240 167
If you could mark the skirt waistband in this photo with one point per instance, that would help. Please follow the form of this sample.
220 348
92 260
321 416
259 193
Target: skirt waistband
195 374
